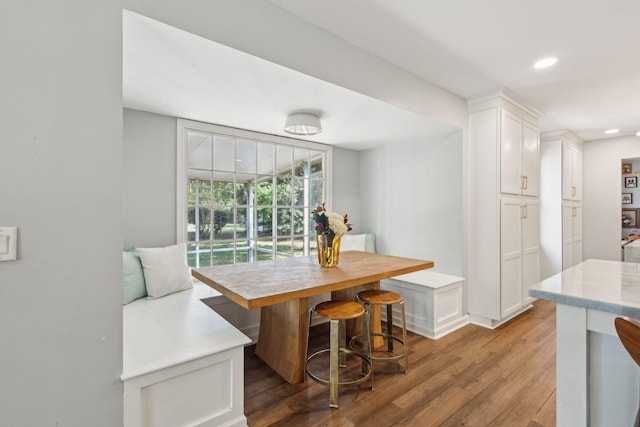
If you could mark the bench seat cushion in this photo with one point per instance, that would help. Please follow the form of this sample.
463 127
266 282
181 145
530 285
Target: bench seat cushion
159 333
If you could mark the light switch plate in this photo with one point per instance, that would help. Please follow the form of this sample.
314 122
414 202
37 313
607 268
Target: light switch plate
8 243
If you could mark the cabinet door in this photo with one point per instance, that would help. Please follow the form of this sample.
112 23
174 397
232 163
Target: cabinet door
576 174
571 173
530 247
576 231
567 235
567 172
510 256
530 170
510 153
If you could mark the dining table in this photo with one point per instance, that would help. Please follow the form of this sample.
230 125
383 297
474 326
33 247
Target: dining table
282 288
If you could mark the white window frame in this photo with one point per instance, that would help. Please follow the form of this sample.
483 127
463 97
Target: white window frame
183 126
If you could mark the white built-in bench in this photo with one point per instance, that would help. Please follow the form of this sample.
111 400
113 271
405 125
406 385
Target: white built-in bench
433 302
183 364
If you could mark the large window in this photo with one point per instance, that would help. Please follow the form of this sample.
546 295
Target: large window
245 196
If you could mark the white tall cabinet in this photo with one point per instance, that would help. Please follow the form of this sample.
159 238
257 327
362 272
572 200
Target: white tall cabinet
504 236
561 202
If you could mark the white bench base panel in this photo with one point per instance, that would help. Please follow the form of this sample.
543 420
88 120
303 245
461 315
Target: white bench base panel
183 363
433 302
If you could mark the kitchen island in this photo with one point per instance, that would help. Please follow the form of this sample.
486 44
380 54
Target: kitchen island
597 381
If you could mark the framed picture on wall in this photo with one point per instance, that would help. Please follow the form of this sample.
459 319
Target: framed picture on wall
627 198
629 218
626 168
630 182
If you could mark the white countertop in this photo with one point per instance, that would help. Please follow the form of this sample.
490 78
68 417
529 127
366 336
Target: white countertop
610 286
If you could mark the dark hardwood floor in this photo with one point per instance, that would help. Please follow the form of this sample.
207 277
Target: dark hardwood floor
471 377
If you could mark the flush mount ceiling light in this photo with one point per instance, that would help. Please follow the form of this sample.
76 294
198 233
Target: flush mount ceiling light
638 133
303 124
611 131
545 62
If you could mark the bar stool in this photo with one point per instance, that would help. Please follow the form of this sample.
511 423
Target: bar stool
629 333
388 298
338 312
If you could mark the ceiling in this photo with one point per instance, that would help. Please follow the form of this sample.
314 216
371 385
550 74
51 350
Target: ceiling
468 47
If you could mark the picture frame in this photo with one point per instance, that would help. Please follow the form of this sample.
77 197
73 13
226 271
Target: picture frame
627 168
627 198
629 218
630 181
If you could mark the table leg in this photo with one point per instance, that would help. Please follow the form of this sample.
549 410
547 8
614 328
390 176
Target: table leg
283 338
355 327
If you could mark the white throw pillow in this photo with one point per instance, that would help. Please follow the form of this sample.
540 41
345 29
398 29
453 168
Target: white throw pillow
353 242
165 269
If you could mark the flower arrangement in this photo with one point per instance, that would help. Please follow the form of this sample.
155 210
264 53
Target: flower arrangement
330 223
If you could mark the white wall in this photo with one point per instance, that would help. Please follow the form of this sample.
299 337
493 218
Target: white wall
60 183
149 192
601 194
412 200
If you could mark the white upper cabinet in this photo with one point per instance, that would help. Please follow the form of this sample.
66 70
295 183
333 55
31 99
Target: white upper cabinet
530 160
571 172
519 156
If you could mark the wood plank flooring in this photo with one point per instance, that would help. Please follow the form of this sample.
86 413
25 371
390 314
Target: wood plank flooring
471 377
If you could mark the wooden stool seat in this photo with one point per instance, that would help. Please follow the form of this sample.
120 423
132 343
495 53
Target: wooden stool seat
339 310
380 297
629 333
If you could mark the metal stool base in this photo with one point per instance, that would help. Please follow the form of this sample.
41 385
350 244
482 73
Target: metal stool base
356 339
365 375
338 351
388 336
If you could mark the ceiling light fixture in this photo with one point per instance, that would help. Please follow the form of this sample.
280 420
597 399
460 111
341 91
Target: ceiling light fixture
611 131
638 133
303 124
545 63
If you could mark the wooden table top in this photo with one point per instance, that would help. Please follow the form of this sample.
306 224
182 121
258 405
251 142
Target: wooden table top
264 283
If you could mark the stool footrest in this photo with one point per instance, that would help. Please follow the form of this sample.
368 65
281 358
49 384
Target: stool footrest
365 375
356 338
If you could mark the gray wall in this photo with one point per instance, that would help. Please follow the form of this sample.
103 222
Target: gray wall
346 186
412 198
60 183
149 192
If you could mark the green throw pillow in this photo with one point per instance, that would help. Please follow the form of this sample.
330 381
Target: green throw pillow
133 286
370 243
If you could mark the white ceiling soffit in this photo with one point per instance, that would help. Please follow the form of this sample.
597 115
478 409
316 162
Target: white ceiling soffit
172 72
472 47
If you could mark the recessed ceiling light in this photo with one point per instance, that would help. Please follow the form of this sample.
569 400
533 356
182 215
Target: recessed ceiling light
638 133
546 62
611 131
